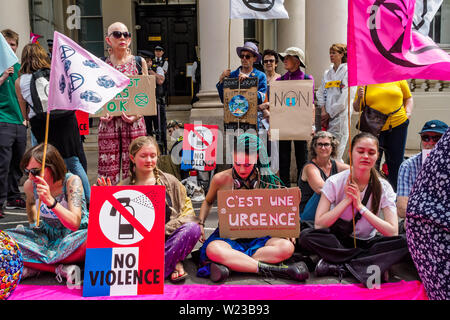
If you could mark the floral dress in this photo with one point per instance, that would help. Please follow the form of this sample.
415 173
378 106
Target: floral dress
428 221
51 242
114 137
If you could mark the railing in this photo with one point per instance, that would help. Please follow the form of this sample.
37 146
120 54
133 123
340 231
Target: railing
422 85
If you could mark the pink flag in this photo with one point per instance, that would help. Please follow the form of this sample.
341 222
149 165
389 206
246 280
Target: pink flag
34 37
79 80
382 46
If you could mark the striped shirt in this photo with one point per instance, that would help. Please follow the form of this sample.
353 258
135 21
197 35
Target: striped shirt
407 174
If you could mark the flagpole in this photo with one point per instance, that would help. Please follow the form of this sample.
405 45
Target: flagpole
350 157
229 42
44 158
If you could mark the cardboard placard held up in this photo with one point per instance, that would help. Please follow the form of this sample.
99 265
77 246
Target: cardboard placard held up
244 100
292 109
259 212
138 98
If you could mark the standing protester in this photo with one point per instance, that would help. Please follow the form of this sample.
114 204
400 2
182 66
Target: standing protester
116 133
50 48
270 63
258 64
430 134
362 194
428 222
395 99
249 55
332 96
13 133
293 58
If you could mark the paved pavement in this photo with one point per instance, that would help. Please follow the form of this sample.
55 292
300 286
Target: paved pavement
403 271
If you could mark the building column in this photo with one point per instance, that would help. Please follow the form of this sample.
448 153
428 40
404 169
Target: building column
16 16
213 17
326 23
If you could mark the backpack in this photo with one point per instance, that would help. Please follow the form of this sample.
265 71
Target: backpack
39 86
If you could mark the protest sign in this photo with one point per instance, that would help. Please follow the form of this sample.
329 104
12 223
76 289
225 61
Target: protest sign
292 109
83 122
137 99
125 242
240 100
199 147
259 212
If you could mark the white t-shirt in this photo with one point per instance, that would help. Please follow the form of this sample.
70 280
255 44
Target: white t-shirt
334 190
25 80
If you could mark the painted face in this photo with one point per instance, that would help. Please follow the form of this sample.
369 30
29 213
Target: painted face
365 153
429 139
244 163
34 169
121 42
291 63
323 147
269 63
247 59
146 158
336 57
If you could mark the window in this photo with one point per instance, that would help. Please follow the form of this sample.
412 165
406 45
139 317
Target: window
91 35
249 30
441 24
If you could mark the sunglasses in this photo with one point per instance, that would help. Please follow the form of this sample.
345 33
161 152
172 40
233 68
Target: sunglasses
34 171
267 61
246 56
323 145
119 34
426 138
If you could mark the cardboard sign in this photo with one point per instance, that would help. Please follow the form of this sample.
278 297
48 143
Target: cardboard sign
292 109
199 147
240 100
83 122
138 98
259 213
125 242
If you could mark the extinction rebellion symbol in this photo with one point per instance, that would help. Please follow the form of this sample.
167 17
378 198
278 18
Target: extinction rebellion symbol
259 5
392 10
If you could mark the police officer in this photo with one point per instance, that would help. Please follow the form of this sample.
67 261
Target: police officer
156 125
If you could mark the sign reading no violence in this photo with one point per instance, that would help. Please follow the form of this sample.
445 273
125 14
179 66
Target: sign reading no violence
137 99
259 212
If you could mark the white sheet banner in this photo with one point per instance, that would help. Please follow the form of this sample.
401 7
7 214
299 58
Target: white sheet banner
258 9
424 13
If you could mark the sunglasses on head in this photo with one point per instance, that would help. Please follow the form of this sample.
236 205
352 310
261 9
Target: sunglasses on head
34 171
246 56
270 60
119 34
426 138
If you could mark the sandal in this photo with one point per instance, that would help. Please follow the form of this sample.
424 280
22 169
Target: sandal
179 276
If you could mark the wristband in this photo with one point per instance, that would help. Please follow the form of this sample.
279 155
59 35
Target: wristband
363 210
53 205
201 223
32 225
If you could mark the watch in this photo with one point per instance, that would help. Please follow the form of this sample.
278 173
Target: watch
53 205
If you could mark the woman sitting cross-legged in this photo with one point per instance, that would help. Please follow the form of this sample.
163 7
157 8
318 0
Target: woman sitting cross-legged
367 196
59 241
259 255
181 229
322 150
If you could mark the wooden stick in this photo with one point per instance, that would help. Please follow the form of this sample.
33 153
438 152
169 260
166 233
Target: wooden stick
350 158
44 158
229 42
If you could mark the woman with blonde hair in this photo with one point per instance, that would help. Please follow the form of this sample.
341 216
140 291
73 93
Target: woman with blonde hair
332 97
63 133
115 133
182 229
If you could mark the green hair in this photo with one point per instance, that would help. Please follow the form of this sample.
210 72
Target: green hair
251 144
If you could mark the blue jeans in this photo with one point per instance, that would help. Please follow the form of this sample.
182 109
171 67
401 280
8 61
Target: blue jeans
74 165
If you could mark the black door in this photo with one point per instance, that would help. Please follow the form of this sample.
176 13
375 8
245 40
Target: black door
173 27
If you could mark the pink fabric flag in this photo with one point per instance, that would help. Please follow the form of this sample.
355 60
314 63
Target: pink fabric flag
383 47
34 37
79 80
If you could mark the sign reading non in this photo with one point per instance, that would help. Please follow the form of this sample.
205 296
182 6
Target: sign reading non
137 99
259 212
292 109
125 243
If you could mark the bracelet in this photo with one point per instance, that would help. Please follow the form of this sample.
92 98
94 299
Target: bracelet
53 205
363 210
201 223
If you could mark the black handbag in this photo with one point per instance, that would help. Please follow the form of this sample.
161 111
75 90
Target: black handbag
371 120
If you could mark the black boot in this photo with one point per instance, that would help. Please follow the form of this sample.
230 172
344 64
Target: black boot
297 271
219 272
324 268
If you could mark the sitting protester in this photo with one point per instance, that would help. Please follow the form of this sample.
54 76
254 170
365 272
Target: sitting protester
322 165
259 255
348 220
182 231
430 134
59 241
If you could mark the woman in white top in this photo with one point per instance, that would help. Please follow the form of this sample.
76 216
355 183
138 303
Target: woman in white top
372 200
332 97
